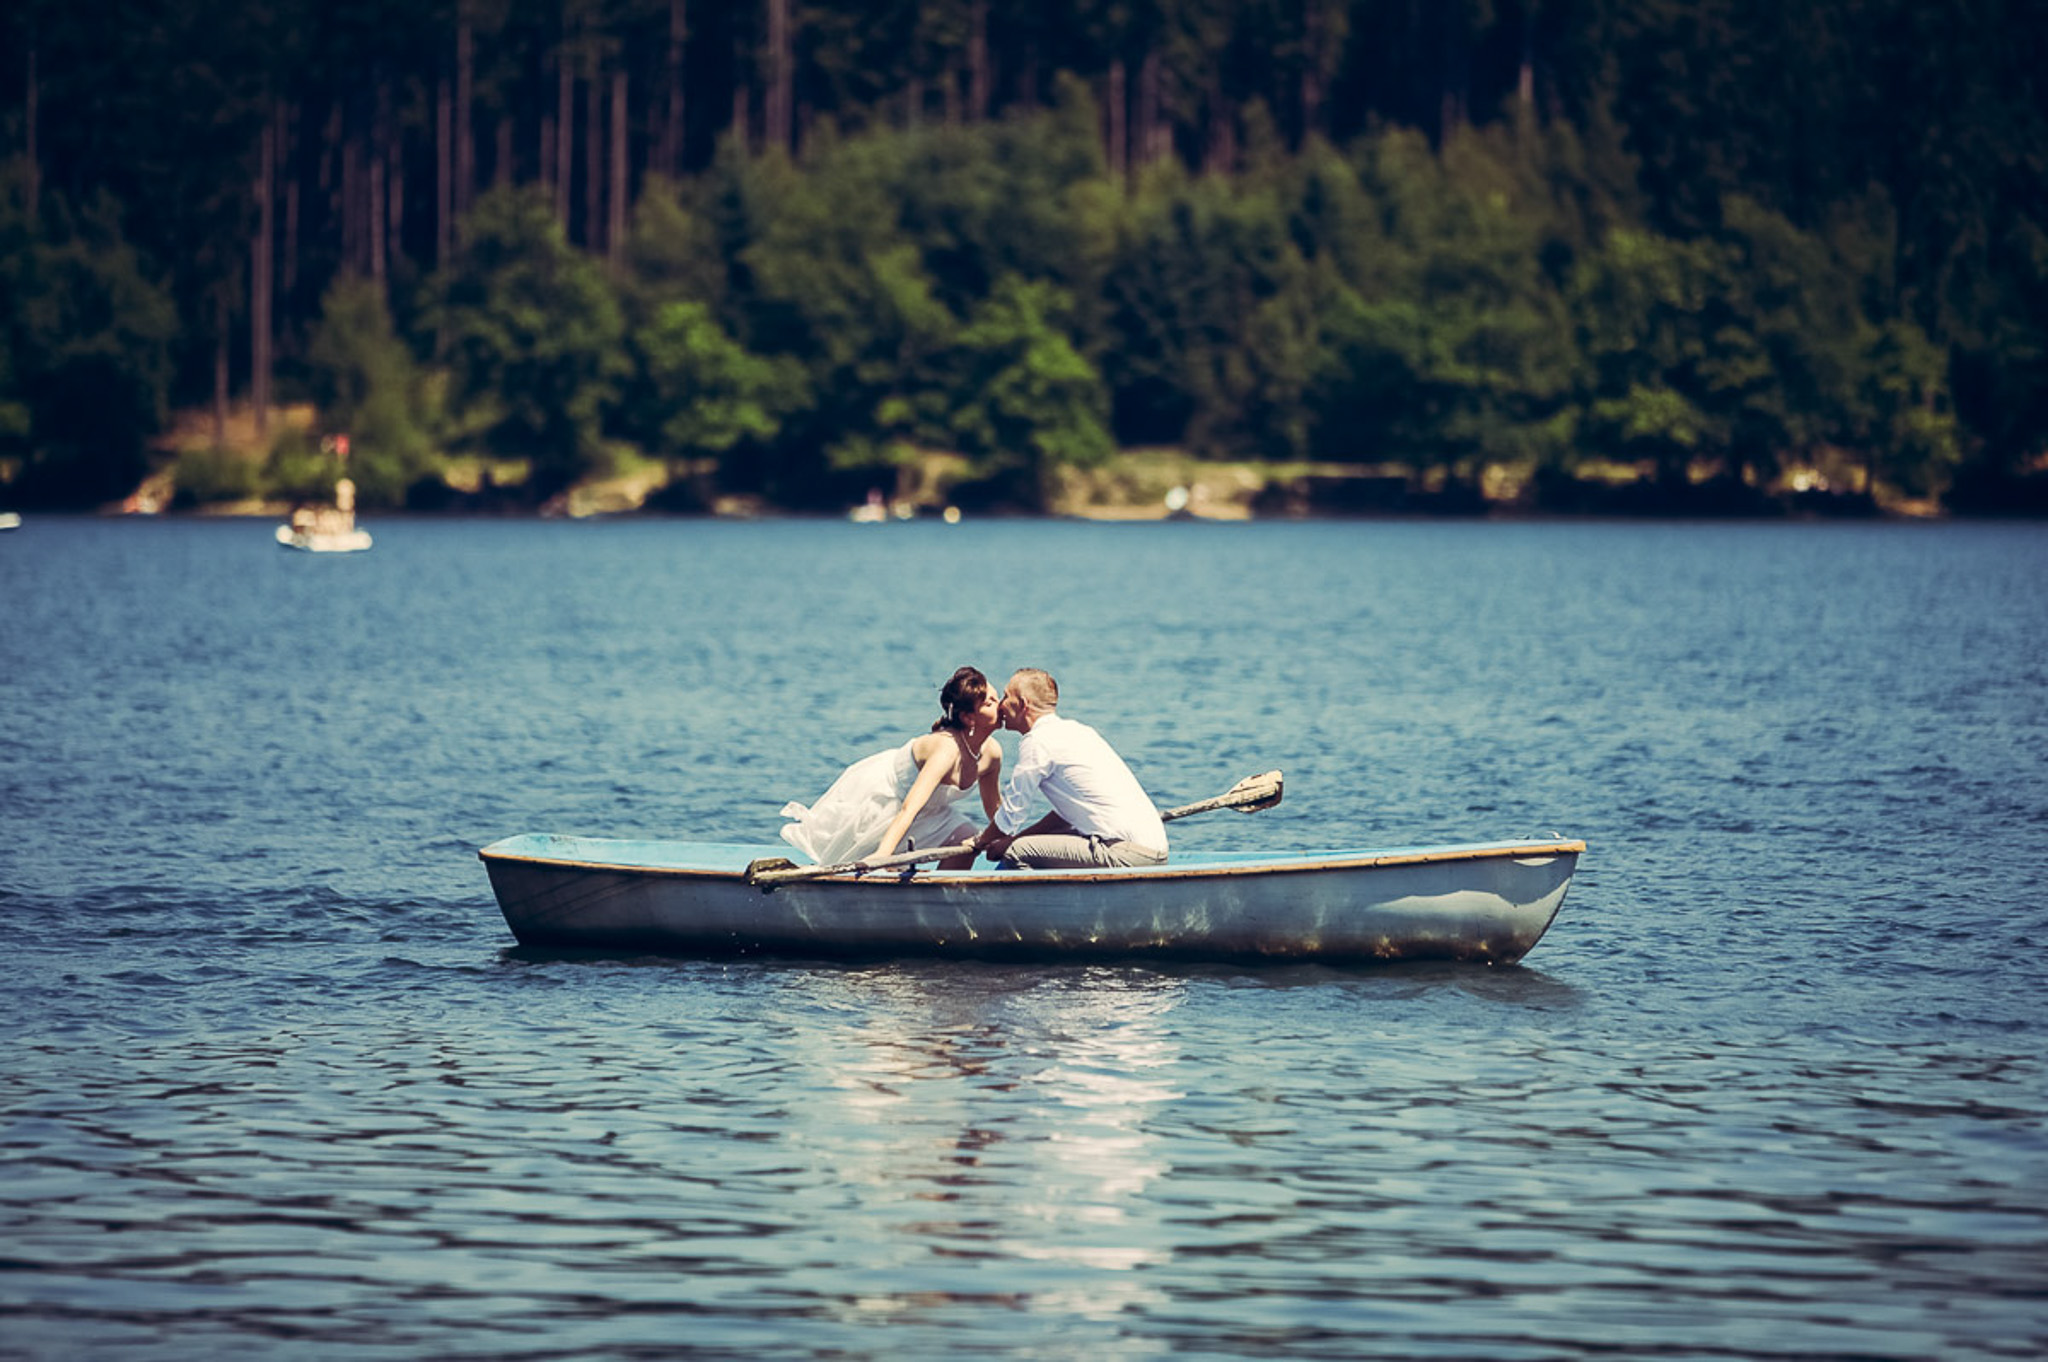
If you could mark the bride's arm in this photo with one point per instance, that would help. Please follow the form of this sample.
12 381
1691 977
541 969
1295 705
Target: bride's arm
932 768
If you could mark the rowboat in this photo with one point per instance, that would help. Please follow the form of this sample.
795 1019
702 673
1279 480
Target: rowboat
1486 901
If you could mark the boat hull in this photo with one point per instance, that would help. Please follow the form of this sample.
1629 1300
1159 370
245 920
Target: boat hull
325 541
1487 902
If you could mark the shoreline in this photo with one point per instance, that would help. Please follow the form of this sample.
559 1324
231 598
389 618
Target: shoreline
1502 515
1138 485
1135 485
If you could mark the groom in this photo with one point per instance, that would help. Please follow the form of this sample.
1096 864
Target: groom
1100 814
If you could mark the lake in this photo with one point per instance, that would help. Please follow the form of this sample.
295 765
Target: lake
279 1083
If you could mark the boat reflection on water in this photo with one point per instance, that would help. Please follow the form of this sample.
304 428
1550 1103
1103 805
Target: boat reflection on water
1010 1122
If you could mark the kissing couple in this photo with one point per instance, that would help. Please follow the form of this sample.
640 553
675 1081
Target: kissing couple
906 798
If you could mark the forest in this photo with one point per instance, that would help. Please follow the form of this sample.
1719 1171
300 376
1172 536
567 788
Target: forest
1693 255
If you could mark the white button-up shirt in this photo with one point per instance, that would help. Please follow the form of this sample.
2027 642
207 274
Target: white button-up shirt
1068 764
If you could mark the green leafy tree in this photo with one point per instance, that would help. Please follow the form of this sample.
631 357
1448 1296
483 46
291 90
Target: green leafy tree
533 339
832 282
1025 197
1029 402
708 391
672 254
86 338
1450 342
367 386
1899 412
1640 304
1777 362
1897 407
1217 331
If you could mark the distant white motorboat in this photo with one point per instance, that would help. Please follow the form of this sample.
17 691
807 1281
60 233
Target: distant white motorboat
10 520
327 529
878 511
351 540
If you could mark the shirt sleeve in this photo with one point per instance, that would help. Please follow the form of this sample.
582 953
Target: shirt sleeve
1020 790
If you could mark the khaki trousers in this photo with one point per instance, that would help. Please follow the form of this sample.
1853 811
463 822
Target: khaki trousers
1076 851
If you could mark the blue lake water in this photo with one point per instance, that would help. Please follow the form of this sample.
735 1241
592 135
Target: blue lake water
277 1083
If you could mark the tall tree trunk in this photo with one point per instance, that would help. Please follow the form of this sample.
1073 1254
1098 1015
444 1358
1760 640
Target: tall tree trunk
260 274
1117 103
565 134
352 253
978 82
287 121
593 163
444 173
501 165
1313 38
913 102
742 120
1219 152
615 225
781 77
671 158
1525 83
394 177
465 100
31 110
379 215
1453 114
1146 132
220 368
330 161
547 154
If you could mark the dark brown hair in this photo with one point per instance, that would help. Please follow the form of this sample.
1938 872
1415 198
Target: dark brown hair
960 697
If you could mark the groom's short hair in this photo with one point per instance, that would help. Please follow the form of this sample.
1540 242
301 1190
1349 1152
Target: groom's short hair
1037 687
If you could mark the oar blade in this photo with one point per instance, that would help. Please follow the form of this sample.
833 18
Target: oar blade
1249 796
1257 792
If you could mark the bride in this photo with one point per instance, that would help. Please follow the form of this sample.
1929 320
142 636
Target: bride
904 798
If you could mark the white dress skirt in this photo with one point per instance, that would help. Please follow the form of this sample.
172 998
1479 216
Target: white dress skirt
849 819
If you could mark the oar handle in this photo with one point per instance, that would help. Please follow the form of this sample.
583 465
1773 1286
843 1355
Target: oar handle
767 876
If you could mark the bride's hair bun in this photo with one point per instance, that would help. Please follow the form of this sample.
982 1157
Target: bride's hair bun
961 696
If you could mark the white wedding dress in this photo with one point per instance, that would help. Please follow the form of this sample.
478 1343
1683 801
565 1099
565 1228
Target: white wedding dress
849 819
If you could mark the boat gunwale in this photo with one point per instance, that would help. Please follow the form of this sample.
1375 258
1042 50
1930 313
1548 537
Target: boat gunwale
1309 862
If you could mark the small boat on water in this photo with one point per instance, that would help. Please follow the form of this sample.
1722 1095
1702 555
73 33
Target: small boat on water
1488 901
328 529
10 520
309 540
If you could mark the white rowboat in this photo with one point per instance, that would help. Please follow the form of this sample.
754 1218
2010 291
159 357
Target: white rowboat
1489 901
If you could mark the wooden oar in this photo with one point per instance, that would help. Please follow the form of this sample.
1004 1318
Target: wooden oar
1247 796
